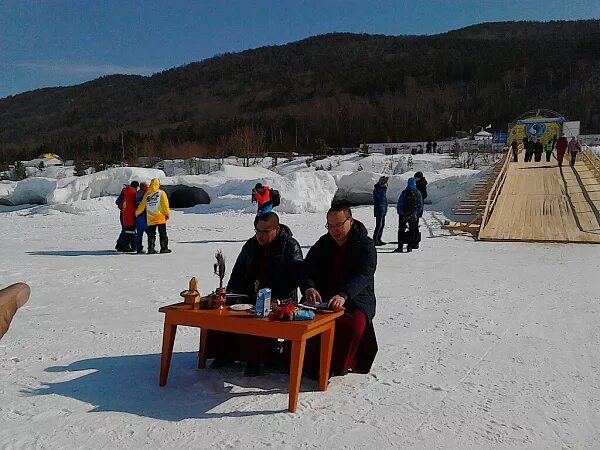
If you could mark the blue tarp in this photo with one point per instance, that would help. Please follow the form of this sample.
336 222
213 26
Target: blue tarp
542 120
500 138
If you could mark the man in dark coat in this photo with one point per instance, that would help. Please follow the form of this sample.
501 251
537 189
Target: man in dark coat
529 150
515 150
273 259
421 186
340 270
409 208
538 149
380 207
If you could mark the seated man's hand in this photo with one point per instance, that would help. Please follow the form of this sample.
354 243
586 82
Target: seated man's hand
312 296
336 302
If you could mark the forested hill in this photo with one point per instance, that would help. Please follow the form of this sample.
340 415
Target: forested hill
341 89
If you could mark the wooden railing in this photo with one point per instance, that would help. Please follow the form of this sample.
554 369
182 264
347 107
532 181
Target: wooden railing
591 161
495 190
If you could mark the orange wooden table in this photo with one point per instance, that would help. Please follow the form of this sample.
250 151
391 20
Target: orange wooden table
242 322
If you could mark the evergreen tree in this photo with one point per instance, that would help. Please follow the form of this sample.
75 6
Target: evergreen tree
20 173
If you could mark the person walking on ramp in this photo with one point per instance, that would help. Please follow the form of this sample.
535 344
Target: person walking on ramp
561 148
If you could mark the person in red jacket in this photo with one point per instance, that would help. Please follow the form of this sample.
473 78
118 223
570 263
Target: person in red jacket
262 195
126 203
561 148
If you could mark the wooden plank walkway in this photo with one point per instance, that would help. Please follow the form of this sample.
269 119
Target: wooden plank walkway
538 203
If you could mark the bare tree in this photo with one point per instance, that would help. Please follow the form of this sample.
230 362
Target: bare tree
247 140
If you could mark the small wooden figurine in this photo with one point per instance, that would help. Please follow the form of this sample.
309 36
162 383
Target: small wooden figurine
191 296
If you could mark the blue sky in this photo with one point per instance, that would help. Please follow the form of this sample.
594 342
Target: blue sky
66 42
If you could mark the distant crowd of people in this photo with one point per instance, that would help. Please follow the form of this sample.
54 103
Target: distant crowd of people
143 209
534 148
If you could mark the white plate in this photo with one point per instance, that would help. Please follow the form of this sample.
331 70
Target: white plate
241 307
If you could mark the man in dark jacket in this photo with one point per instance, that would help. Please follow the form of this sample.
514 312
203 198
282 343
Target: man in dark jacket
273 259
538 149
409 208
515 150
340 270
380 207
529 150
421 186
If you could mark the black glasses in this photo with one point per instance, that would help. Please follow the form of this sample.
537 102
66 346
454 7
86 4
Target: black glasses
337 226
259 231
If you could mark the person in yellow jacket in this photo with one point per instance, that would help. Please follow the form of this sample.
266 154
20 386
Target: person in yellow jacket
156 205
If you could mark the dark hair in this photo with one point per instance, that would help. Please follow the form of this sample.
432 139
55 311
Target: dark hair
258 186
340 205
270 217
419 175
135 184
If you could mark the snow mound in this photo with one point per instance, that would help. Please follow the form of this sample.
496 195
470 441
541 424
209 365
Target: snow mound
99 184
38 190
302 188
443 184
80 207
7 187
32 190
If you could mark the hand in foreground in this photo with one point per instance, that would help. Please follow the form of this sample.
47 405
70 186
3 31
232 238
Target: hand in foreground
336 302
312 296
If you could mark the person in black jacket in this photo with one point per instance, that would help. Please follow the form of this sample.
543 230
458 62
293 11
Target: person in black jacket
538 149
273 259
340 270
380 207
529 150
515 150
421 185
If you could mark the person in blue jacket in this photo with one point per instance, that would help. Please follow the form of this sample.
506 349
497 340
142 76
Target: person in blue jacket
409 208
141 226
380 207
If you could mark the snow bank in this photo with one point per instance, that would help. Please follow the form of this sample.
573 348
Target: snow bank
230 189
303 188
7 187
81 207
384 164
100 184
32 190
444 187
39 190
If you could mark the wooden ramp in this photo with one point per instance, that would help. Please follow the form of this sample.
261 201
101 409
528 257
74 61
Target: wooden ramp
537 202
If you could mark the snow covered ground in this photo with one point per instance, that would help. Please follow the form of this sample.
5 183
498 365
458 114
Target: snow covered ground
482 345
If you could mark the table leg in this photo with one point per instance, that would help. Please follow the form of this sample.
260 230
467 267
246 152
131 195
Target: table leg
326 352
167 351
202 349
296 364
